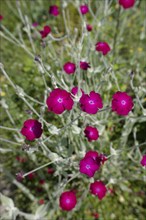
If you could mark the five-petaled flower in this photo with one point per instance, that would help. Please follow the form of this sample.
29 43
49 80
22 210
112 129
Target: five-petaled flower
88 166
91 133
143 161
127 3
68 200
122 103
91 103
93 154
54 10
32 129
84 65
84 9
59 100
69 68
44 33
103 47
99 189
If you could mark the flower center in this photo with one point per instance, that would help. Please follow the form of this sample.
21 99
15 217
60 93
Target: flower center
87 166
67 201
60 100
91 102
123 102
91 133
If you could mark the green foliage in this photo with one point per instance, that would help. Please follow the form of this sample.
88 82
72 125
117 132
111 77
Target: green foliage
36 73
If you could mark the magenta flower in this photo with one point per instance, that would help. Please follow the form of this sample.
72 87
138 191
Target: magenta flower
122 103
50 170
21 159
59 101
127 3
74 90
1 17
91 133
93 154
41 181
84 65
68 200
41 202
102 158
54 10
44 33
143 161
89 27
91 103
95 215
98 189
84 9
35 24
31 176
88 166
32 129
103 47
19 176
69 68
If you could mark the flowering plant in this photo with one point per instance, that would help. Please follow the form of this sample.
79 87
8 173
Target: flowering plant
73 109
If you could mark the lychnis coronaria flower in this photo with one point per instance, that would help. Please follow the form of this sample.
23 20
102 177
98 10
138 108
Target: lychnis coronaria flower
74 90
93 154
99 189
89 27
54 10
91 103
68 200
69 68
35 24
59 100
44 33
91 133
84 9
88 166
143 161
122 103
102 158
103 47
84 65
32 129
99 158
127 3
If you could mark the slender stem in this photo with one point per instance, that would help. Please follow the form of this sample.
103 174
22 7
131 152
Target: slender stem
9 129
11 142
63 127
23 188
58 39
22 97
29 34
6 75
38 168
116 31
76 175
